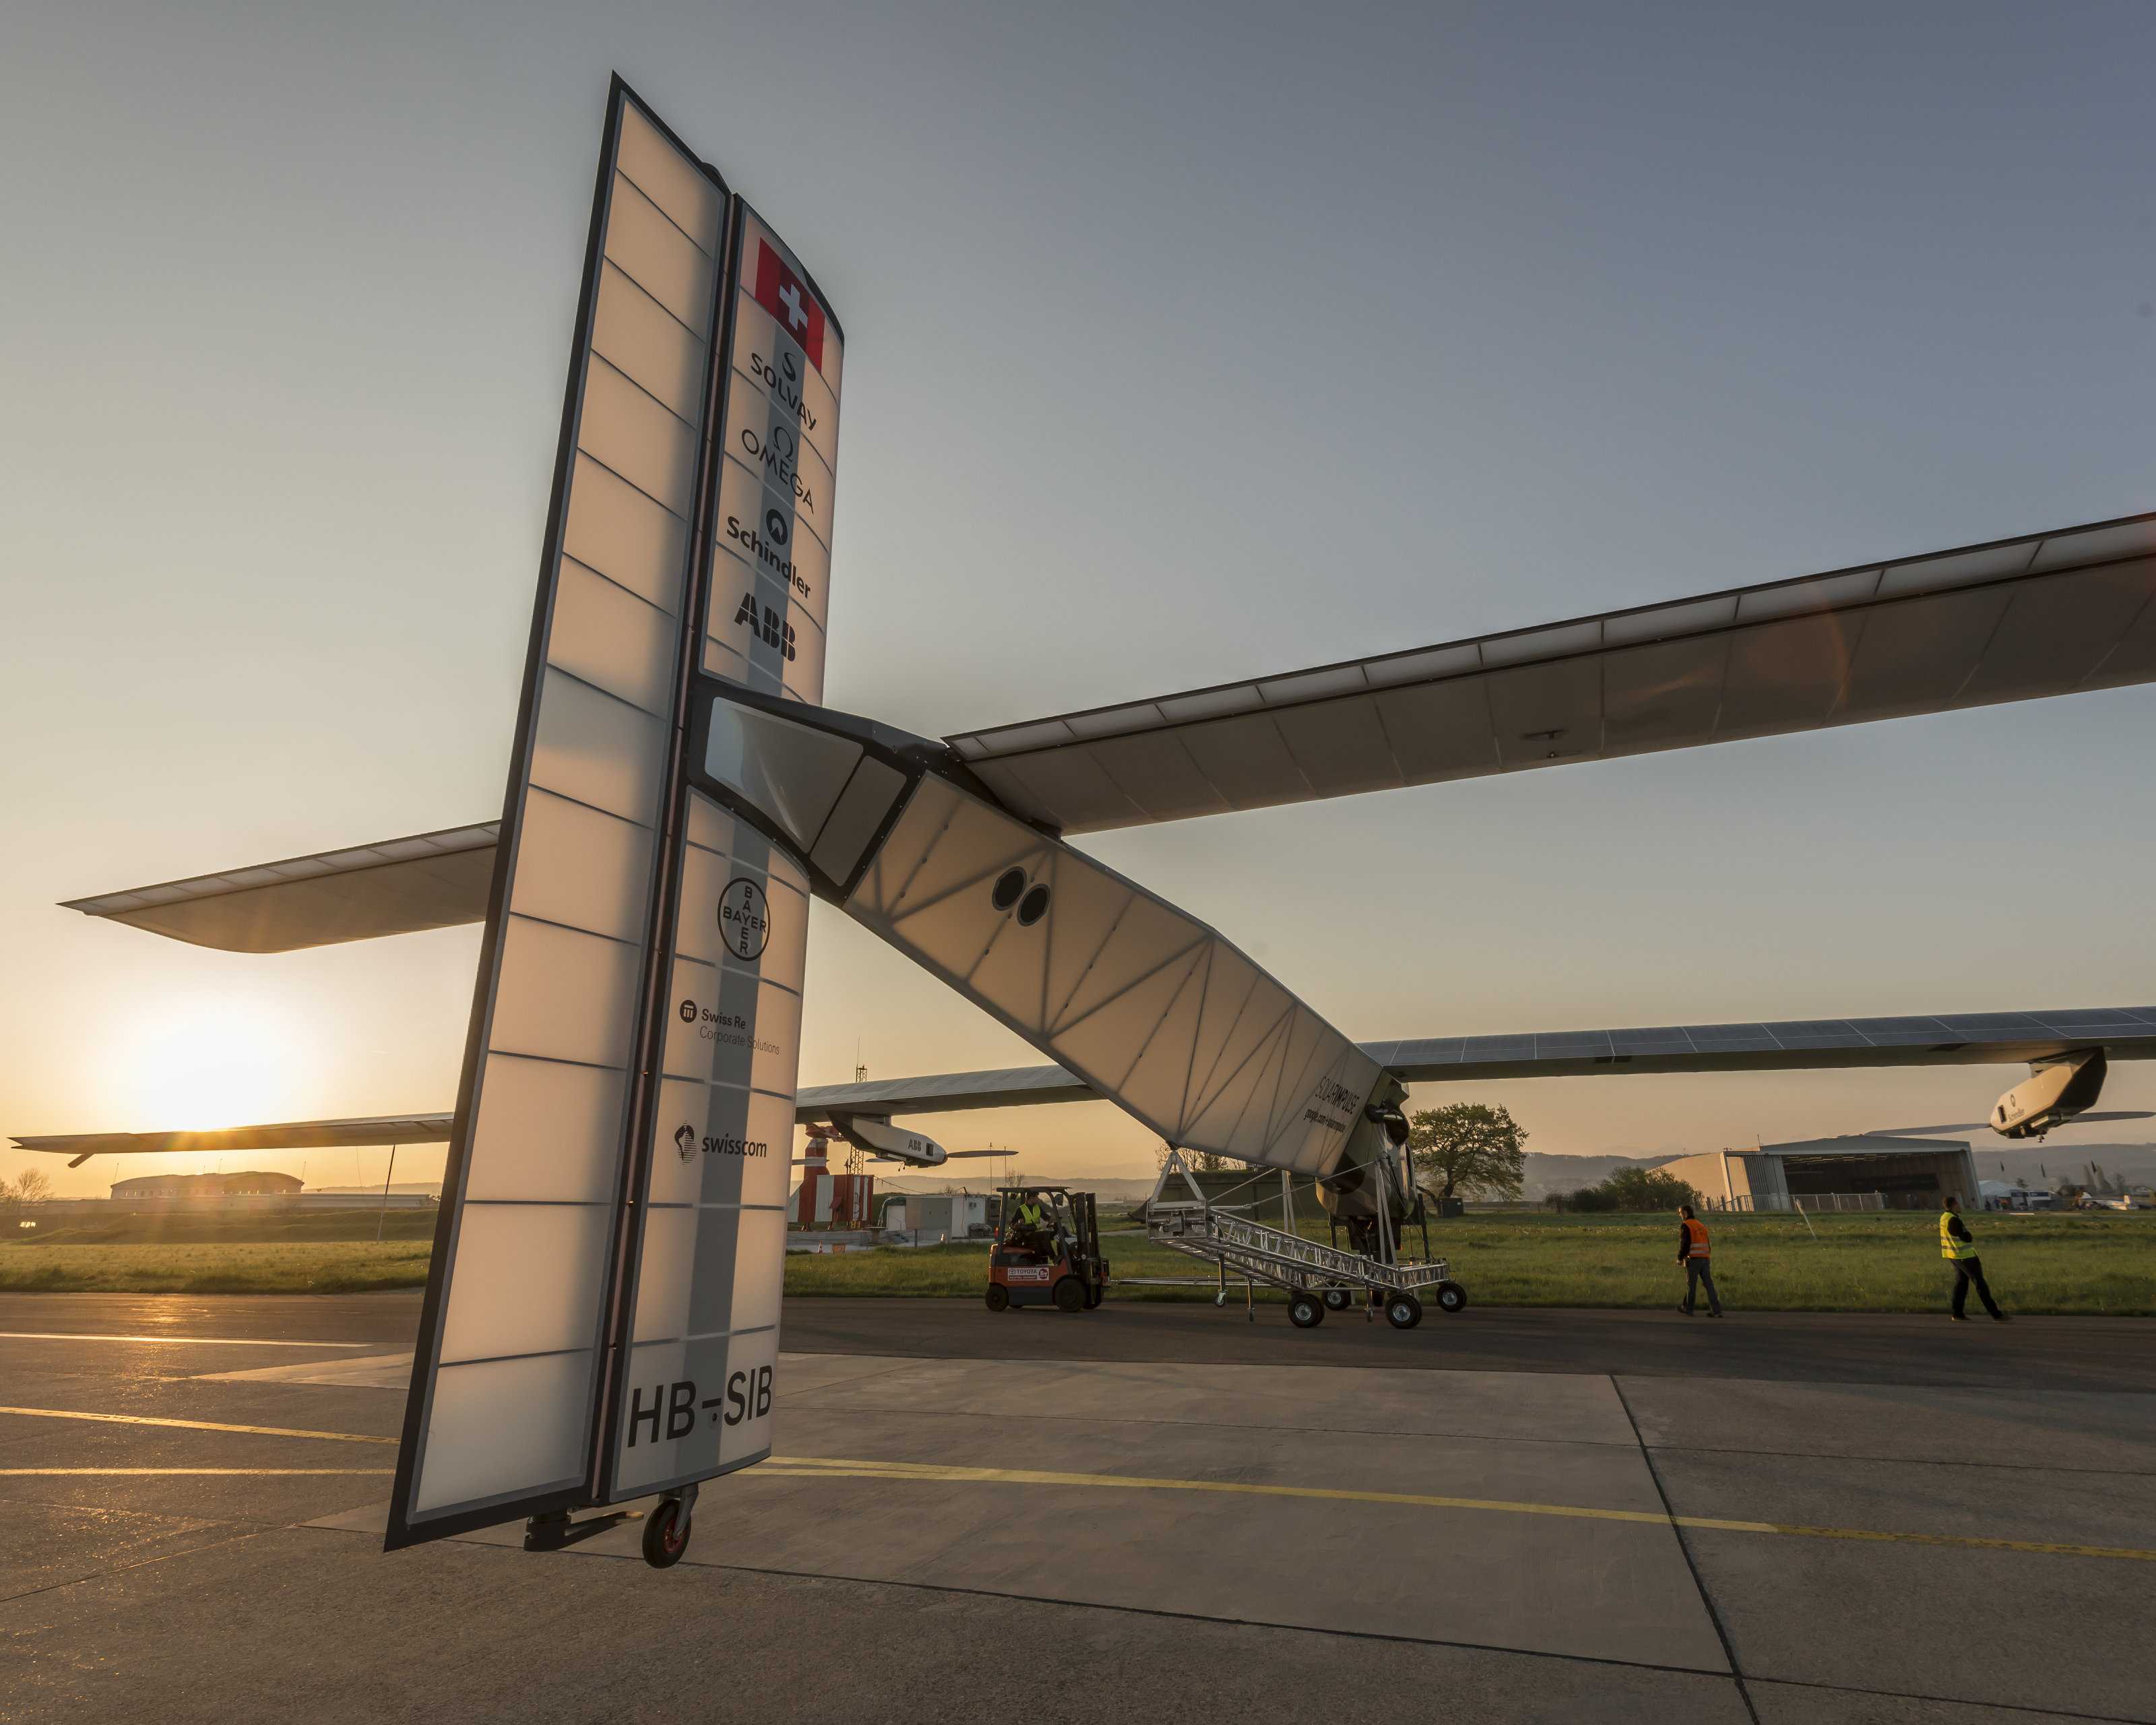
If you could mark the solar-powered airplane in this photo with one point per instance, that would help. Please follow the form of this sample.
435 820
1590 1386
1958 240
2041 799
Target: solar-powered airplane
602 1314
2051 613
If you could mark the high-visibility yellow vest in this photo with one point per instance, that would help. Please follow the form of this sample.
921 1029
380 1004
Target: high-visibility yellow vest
1695 1239
1029 1214
1949 1247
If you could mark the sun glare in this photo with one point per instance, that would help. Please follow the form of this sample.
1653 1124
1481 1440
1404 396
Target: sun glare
211 1060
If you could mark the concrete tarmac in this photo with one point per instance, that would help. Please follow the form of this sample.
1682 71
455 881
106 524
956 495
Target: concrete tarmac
1150 1510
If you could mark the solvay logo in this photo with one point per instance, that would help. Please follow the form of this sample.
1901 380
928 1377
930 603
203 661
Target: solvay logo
684 1142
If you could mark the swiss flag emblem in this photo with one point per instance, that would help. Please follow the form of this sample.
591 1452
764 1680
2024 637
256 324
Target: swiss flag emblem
781 293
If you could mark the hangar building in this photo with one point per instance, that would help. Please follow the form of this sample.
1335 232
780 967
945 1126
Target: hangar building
1866 1172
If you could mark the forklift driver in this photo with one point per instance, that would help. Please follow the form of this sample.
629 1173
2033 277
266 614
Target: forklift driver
1029 1229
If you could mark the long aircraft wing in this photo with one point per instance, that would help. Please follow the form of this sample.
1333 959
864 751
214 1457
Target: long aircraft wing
2047 614
2051 613
2125 1033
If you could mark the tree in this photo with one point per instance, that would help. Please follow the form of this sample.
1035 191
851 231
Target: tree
1198 1162
1647 1189
1468 1150
31 1186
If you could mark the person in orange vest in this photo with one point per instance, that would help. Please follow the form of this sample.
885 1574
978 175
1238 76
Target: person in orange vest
1692 1252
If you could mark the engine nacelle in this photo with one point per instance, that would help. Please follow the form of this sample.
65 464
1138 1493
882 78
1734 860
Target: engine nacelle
2055 1091
880 1137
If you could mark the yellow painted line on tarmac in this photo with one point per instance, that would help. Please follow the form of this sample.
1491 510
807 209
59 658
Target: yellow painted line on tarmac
245 1473
198 1341
333 1437
822 1467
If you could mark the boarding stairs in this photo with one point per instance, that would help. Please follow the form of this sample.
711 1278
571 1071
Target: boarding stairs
1236 1246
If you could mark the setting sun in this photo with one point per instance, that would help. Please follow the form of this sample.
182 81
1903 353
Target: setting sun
209 1060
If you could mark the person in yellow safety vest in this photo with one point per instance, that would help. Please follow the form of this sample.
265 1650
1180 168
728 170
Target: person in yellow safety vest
1692 1252
1029 1227
1959 1249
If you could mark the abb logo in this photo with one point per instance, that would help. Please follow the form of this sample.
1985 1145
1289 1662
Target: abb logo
764 621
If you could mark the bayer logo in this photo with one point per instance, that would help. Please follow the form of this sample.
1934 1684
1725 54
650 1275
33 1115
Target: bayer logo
744 919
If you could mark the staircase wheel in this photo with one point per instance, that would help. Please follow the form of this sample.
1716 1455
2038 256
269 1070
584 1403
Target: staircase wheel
1305 1312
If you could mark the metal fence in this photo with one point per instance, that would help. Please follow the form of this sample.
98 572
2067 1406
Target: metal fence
1813 1202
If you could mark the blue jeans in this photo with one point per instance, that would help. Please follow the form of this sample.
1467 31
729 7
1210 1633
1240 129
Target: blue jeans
1696 1275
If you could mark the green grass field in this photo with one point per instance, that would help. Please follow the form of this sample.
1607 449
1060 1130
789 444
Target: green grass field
257 1267
2104 1263
1875 1262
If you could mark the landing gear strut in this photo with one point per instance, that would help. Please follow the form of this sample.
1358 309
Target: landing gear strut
666 1529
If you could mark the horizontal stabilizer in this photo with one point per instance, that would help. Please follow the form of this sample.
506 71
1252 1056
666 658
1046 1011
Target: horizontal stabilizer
397 886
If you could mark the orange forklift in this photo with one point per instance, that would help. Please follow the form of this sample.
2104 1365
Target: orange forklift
1047 1250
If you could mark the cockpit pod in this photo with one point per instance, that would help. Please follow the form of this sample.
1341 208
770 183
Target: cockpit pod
1375 1173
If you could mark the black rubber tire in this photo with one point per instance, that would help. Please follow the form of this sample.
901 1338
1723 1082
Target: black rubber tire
999 1297
1338 1299
1069 1295
665 1534
1305 1312
1451 1297
1403 1311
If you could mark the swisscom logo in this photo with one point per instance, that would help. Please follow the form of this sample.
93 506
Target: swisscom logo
686 1142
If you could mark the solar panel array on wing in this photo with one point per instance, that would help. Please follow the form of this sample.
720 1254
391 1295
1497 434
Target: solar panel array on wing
506 1379
1970 1038
2043 615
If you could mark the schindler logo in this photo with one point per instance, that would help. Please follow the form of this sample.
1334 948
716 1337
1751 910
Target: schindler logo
764 547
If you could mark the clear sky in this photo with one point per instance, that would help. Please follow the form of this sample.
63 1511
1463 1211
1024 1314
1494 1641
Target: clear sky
1185 343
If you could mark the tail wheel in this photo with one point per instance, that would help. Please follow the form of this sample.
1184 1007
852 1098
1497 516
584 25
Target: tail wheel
999 1297
1403 1312
1069 1295
1451 1297
1338 1299
665 1534
1305 1312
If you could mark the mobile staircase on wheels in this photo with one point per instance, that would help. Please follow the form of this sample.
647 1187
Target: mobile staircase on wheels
1315 1277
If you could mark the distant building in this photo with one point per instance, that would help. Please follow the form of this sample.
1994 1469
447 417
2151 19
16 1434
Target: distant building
206 1186
1866 1172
